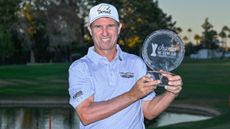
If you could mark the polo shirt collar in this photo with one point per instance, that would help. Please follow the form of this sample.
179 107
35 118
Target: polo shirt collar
96 58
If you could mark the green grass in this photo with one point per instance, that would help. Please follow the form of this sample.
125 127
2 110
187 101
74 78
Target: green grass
42 80
205 78
206 83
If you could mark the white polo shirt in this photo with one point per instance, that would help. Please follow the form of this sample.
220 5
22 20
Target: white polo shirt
94 75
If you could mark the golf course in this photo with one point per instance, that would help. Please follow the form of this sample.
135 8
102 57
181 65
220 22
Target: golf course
206 84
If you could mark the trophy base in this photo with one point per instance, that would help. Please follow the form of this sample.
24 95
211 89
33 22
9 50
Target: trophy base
157 75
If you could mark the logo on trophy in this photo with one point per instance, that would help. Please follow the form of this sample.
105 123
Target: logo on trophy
162 51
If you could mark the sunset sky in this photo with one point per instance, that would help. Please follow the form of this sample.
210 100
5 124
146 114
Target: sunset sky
192 13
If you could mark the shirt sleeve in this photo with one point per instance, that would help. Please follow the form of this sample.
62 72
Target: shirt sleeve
80 86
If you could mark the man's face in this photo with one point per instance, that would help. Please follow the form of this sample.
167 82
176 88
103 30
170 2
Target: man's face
104 32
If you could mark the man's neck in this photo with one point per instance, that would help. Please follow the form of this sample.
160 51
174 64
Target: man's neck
109 54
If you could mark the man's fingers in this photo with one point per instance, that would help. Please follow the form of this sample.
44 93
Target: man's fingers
173 89
175 83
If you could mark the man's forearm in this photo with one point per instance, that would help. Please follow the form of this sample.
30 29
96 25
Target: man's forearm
157 105
95 111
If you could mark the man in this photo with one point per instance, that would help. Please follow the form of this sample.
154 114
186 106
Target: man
109 88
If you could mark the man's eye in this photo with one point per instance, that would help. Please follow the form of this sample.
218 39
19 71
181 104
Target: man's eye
111 26
97 26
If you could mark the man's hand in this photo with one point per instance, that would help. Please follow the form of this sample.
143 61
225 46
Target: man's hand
143 87
175 83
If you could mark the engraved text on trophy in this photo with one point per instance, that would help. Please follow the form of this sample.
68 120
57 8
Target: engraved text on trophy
164 51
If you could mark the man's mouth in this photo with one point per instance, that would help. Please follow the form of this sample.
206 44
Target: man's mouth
105 39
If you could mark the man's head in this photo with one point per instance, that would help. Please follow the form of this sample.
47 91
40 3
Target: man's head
103 10
104 27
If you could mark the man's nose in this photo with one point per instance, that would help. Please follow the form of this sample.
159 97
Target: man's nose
105 31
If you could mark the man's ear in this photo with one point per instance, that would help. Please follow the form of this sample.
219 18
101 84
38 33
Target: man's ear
119 28
89 29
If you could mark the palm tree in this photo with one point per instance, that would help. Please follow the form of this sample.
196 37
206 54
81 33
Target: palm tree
189 31
185 39
223 36
225 32
179 30
225 28
197 38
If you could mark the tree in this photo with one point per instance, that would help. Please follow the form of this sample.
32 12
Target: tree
197 38
139 19
224 35
189 32
7 17
7 10
56 22
6 46
179 30
185 39
189 48
30 27
63 27
58 26
209 39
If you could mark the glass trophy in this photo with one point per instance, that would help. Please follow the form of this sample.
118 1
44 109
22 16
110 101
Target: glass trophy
162 51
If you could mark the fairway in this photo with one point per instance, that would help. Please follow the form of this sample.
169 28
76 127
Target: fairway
206 83
204 79
41 80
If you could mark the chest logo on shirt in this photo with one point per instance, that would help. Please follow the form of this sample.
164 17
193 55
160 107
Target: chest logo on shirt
127 74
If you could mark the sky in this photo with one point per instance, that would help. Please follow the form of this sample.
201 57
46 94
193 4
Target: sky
192 13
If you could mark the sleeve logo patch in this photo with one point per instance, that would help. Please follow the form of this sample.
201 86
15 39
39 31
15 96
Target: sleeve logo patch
78 94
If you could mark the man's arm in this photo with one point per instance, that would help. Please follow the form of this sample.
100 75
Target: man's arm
90 111
158 104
